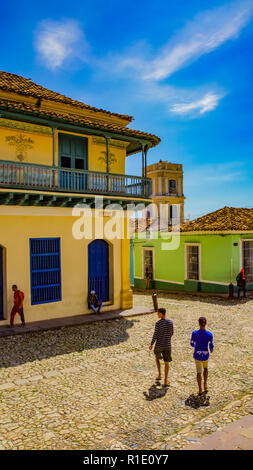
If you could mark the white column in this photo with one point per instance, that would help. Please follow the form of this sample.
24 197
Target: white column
160 185
154 189
179 187
166 186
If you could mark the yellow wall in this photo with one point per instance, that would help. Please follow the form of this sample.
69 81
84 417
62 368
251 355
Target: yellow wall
15 231
40 154
42 147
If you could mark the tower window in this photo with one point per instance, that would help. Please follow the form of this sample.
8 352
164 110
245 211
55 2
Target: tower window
172 186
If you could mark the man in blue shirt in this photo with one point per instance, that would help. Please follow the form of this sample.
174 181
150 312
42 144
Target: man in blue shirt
202 342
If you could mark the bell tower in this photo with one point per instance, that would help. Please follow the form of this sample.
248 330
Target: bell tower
167 188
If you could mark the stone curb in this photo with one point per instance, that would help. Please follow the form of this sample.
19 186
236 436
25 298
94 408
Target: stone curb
184 436
78 320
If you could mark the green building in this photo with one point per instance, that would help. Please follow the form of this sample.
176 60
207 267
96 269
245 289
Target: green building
205 256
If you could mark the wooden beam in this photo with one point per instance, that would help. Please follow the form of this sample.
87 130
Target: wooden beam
8 199
38 200
23 199
65 201
51 201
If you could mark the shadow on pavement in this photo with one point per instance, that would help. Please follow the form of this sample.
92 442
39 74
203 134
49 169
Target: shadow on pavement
196 297
19 349
195 401
154 392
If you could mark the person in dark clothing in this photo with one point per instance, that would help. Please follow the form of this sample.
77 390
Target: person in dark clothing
148 276
241 283
94 303
162 336
18 305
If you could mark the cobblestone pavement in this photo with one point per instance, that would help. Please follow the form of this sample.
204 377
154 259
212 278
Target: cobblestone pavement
92 386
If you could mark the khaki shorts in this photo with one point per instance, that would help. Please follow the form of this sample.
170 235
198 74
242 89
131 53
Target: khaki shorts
200 365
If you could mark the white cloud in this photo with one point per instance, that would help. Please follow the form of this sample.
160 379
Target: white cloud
205 33
217 173
58 42
207 103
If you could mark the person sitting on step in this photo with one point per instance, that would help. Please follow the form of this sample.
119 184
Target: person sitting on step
93 302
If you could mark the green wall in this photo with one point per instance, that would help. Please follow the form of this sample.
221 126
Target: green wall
169 265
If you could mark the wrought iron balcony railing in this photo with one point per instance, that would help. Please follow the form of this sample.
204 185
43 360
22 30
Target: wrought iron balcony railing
44 178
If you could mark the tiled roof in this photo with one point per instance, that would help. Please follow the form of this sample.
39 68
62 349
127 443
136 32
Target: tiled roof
226 219
76 119
24 86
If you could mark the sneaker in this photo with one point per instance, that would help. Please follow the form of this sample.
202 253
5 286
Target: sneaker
23 324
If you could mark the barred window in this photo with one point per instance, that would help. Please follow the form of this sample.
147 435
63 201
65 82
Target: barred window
192 262
45 270
248 260
148 263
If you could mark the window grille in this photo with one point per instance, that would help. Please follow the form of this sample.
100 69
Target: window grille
45 270
193 262
148 263
248 260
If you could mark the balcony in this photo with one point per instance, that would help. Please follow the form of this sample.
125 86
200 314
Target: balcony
15 175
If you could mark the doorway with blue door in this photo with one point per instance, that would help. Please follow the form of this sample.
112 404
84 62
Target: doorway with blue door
98 269
1 285
73 155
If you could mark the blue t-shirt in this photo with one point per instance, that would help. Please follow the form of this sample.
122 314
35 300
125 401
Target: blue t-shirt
200 341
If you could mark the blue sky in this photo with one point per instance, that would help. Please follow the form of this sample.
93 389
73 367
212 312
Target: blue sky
182 69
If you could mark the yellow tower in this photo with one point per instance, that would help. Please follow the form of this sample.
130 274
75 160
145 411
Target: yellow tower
167 188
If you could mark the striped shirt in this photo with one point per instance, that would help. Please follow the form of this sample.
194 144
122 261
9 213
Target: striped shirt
163 333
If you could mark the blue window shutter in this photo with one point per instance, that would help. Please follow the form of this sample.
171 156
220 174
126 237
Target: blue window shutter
98 269
45 259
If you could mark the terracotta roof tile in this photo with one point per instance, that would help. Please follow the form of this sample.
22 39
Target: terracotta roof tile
226 219
26 87
76 119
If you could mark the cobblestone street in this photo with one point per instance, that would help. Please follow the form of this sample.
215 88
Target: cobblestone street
93 386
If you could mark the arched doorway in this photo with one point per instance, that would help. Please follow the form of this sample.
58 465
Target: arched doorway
98 269
1 285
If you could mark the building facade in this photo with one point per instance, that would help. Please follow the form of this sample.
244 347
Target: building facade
59 156
167 188
208 253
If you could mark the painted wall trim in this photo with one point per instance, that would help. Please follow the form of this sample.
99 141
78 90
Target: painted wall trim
171 282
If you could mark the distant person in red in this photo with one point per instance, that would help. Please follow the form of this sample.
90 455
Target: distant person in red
18 305
241 282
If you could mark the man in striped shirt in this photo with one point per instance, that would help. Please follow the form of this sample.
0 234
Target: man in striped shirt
162 337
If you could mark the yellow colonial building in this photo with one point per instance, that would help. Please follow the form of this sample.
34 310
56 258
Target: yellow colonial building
167 188
63 200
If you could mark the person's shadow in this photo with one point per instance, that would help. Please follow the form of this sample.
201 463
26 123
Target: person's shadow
195 401
155 391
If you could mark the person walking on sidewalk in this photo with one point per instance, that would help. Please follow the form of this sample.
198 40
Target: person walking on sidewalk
202 342
162 336
18 305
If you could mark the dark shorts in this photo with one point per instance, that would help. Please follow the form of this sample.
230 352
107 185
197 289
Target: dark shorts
163 353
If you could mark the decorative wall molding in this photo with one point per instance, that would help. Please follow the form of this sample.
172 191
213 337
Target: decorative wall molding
24 126
113 143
